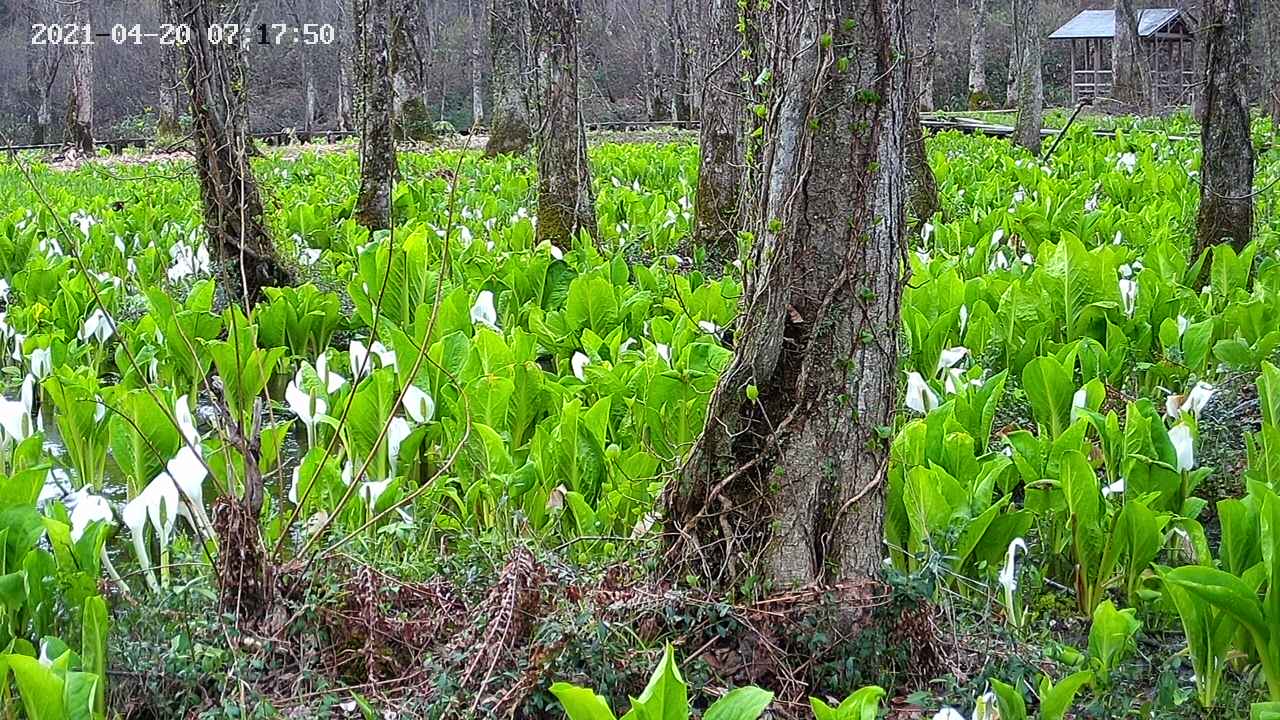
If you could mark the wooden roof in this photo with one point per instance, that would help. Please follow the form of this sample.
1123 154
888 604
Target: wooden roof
1102 23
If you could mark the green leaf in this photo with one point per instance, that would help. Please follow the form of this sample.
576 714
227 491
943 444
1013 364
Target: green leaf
40 689
580 703
1049 389
1055 700
745 703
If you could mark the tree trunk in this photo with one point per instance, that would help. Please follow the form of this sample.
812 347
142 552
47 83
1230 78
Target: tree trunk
168 127
42 70
566 202
346 68
1128 85
372 20
1011 88
477 63
1027 33
215 78
655 108
979 98
720 137
509 77
922 187
786 484
679 62
1226 168
928 58
1271 76
409 72
80 102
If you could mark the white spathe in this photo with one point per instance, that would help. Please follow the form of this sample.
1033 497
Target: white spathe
1009 573
949 357
99 327
87 508
308 409
579 363
1129 295
418 404
920 397
1184 446
484 312
397 432
372 490
157 506
41 361
1193 402
948 713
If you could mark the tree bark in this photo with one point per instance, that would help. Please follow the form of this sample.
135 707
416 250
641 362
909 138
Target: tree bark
786 483
679 61
509 130
922 187
346 68
720 165
167 125
477 62
979 98
1271 76
42 71
233 216
1128 85
1226 167
409 72
566 202
1027 34
929 57
80 102
655 107
372 20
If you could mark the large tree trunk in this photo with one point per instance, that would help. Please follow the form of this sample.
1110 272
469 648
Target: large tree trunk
167 126
978 95
1027 34
1271 76
922 187
409 72
372 20
655 107
566 202
80 102
42 70
786 484
477 62
720 136
216 78
1226 168
509 77
1128 85
928 60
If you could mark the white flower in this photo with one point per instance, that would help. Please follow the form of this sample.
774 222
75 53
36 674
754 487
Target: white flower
418 404
997 236
396 434
1127 162
947 713
986 709
360 356
1126 270
1115 488
1008 574
41 360
1080 398
1183 324
186 423
16 422
926 232
924 256
1129 295
950 356
709 327
579 363
626 345
308 409
156 505
372 490
664 351
1193 402
964 318
87 508
1091 204
483 311
333 382
308 256
99 327
1184 445
920 397
953 380
999 261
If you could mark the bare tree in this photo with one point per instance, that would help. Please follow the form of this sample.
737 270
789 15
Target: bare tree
978 95
720 135
409 60
233 216
566 202
477 62
1226 168
1027 32
928 56
346 68
80 102
372 20
42 71
786 483
1270 13
508 52
167 125
679 34
1127 77
922 187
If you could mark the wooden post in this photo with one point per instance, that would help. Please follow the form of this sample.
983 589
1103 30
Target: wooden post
1075 95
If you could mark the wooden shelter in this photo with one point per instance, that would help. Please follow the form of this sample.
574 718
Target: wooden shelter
1166 37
